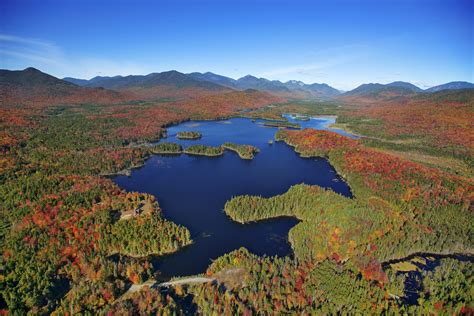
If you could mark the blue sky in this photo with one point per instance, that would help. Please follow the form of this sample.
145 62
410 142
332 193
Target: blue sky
342 43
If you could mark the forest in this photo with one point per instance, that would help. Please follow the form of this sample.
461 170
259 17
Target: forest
68 246
167 148
62 222
399 208
203 150
188 135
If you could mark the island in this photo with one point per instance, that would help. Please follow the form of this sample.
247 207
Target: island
189 135
202 150
301 118
282 125
244 151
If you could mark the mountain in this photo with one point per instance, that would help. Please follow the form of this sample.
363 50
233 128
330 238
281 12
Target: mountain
168 84
31 86
406 85
401 88
218 79
209 82
30 78
292 88
251 82
383 91
167 78
454 85
78 82
322 90
377 88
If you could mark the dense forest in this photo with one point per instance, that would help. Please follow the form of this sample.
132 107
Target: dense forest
167 148
203 150
188 135
73 242
63 224
248 284
244 151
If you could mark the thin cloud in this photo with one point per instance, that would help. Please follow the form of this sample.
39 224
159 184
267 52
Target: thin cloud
29 42
24 52
30 57
319 62
308 68
30 51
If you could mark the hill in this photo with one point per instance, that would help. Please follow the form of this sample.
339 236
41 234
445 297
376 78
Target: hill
322 90
30 77
405 85
377 90
31 86
454 85
401 89
218 79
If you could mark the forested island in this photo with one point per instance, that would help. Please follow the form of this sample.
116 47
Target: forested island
244 151
282 124
188 135
203 150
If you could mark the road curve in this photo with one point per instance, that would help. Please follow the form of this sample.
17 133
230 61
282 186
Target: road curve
186 281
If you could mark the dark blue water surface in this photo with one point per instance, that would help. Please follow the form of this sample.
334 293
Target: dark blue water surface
192 190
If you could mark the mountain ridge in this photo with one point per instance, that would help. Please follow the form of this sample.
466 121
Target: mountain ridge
291 88
32 86
453 85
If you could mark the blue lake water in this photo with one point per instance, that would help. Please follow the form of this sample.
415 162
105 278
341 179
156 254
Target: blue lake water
322 123
192 190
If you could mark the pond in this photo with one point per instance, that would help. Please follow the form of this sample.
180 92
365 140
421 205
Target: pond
413 281
192 190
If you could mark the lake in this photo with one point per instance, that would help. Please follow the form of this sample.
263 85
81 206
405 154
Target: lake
192 190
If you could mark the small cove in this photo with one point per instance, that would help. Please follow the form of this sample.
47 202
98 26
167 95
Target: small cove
192 190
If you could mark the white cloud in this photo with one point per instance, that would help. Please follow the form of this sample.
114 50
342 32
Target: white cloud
29 51
20 52
47 46
318 65
307 69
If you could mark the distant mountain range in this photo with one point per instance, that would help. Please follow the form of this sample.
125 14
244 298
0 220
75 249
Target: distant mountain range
167 78
210 81
401 88
214 82
32 84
